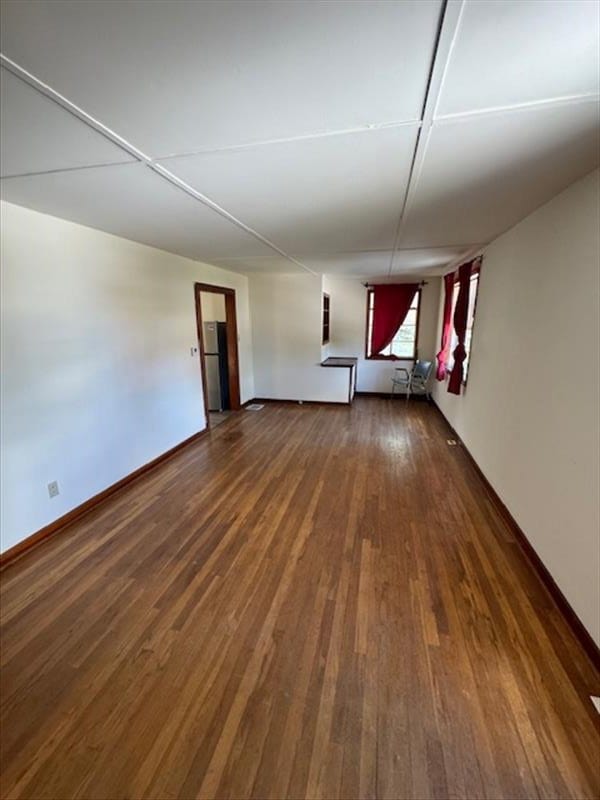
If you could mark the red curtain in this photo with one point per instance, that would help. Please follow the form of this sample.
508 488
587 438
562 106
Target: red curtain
442 356
460 326
390 306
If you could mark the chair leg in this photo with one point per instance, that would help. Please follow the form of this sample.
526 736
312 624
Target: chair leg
392 392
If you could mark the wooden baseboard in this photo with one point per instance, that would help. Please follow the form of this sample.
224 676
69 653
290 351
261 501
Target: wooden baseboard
563 605
389 396
58 525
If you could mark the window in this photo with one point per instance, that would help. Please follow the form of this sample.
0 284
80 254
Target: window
325 323
404 343
473 289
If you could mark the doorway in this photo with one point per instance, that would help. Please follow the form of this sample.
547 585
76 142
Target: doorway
217 335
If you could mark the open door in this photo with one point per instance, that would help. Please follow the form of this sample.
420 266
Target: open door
218 340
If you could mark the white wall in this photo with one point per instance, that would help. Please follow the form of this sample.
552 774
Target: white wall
213 307
347 329
97 373
530 412
286 331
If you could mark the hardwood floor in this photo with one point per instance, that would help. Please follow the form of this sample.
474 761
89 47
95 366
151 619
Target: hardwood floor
311 602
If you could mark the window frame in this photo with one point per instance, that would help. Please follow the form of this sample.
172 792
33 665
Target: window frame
391 357
475 274
326 319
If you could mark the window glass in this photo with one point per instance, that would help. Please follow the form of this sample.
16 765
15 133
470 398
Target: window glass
473 288
404 343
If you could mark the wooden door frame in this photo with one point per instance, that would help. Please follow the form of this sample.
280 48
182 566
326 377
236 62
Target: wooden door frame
233 366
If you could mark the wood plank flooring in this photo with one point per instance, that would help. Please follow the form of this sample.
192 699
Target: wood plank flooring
311 602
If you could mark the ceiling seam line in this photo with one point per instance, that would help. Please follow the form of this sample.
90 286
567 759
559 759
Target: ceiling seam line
462 245
426 99
382 126
95 124
404 200
447 32
71 108
549 102
69 169
449 53
175 180
457 115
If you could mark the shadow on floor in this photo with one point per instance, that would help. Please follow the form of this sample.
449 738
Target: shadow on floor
217 417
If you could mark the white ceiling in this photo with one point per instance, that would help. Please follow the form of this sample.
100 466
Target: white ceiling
482 174
357 137
134 198
509 52
322 194
30 121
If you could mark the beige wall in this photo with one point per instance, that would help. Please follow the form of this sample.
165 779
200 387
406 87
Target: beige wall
530 413
348 322
98 375
286 332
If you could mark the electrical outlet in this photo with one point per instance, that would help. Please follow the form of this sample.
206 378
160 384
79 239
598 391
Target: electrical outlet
53 489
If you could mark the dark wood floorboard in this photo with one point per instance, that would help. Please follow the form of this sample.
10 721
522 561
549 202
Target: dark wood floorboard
311 602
